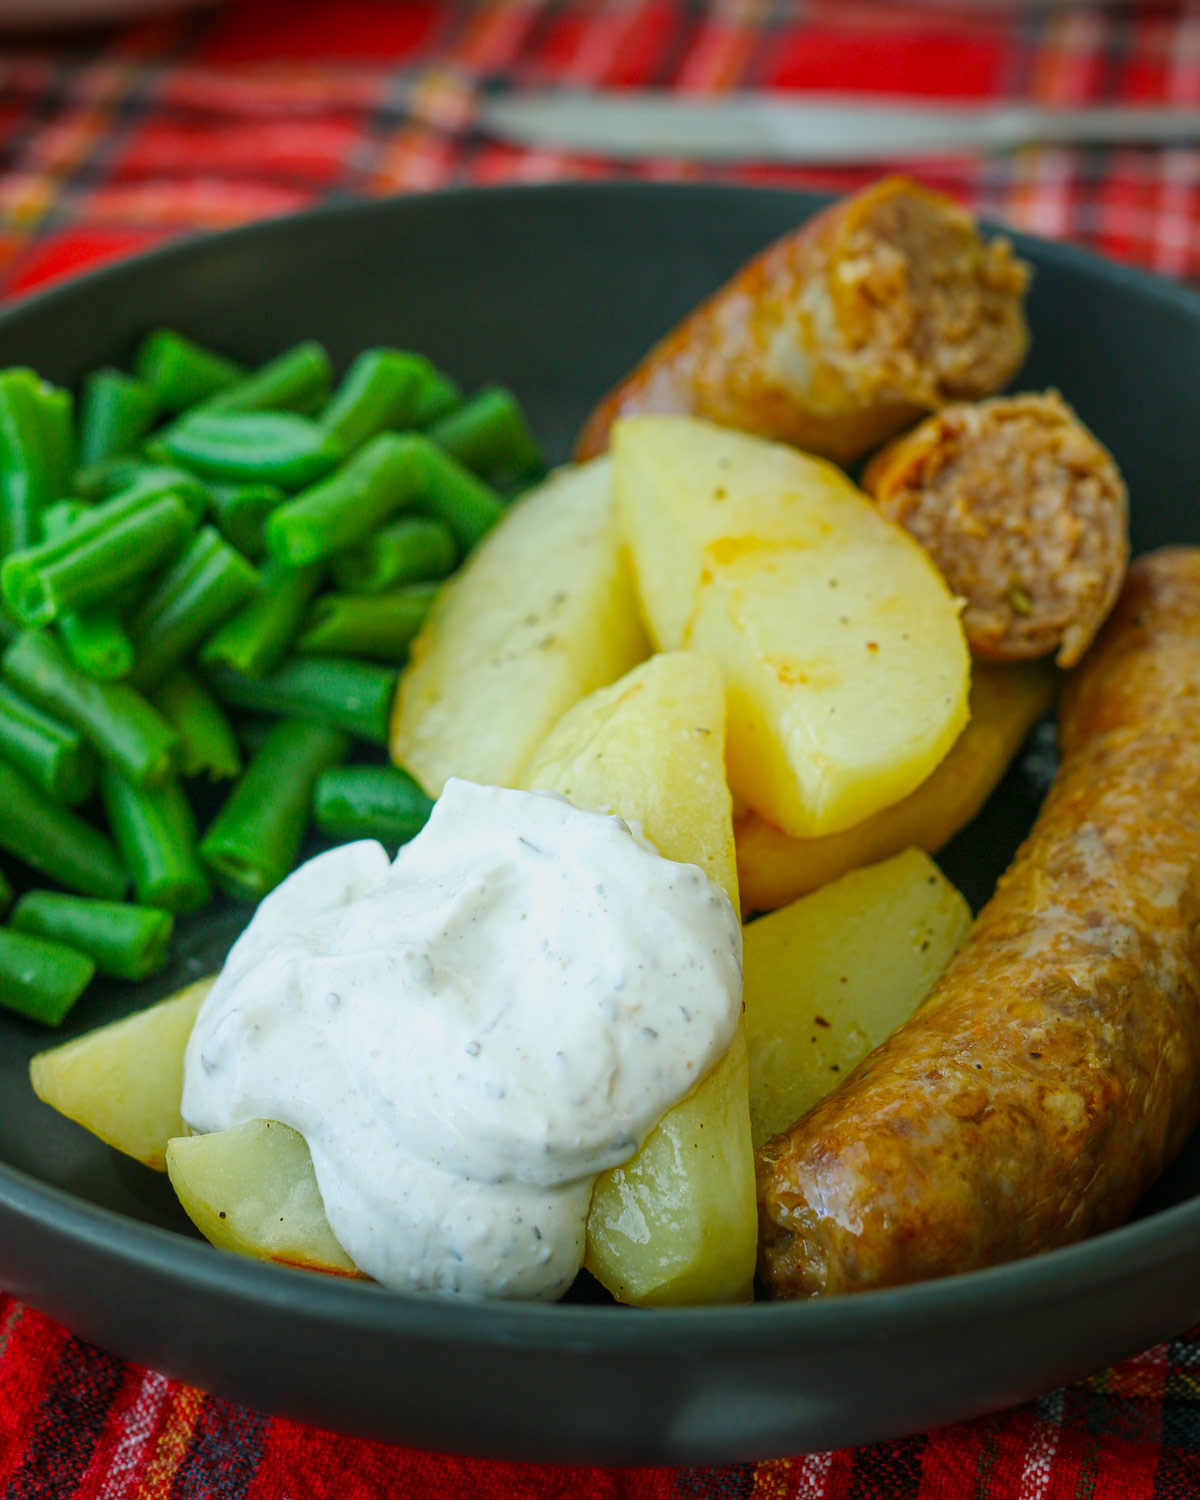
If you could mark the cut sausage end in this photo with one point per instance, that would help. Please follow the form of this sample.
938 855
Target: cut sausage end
1024 512
932 309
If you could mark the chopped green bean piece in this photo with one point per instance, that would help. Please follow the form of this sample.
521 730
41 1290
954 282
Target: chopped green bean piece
412 550
468 506
256 639
122 940
384 477
155 830
255 839
438 397
95 639
97 643
370 802
240 510
297 380
36 454
113 717
489 435
111 546
378 626
250 447
380 392
56 842
6 893
351 695
125 478
39 979
51 754
116 414
182 373
208 583
207 744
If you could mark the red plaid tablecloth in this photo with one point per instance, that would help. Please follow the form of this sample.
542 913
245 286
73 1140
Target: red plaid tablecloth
111 141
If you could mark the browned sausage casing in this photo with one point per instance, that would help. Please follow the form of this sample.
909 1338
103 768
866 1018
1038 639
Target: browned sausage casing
1055 1068
885 306
1025 514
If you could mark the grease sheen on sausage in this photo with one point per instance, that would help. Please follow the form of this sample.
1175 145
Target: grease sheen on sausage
883 307
1054 1069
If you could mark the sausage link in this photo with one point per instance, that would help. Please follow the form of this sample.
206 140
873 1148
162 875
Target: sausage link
883 307
1054 1069
1025 514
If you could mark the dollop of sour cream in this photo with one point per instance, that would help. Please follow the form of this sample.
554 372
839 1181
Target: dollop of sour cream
467 1035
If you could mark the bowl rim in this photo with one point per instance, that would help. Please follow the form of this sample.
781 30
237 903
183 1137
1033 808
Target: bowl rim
147 1249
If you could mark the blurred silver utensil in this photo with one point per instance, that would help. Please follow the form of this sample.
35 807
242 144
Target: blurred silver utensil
828 128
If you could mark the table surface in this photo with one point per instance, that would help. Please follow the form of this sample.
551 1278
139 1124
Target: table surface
114 140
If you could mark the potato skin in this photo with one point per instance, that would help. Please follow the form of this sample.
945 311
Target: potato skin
1024 512
1055 1068
833 339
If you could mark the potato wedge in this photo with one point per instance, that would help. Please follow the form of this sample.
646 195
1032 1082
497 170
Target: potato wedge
124 1081
649 747
676 1223
252 1189
1006 702
542 613
832 975
844 659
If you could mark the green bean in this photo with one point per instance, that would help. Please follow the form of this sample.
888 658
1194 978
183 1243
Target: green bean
468 506
489 435
207 745
97 643
255 839
380 391
58 425
351 695
121 478
109 477
114 544
52 755
6 893
155 830
370 802
115 718
393 471
297 380
182 373
56 842
208 583
116 414
411 550
272 447
41 980
256 639
385 476
240 510
379 626
122 940
437 398
36 458
95 639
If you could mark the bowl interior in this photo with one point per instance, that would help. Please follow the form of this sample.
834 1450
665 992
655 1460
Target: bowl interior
556 292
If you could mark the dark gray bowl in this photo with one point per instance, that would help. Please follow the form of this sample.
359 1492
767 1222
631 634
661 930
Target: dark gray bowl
556 291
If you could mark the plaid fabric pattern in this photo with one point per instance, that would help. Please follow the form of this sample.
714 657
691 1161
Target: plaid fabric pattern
110 141
114 140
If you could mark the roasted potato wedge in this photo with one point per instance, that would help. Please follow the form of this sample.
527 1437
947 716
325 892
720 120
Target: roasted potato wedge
542 613
844 660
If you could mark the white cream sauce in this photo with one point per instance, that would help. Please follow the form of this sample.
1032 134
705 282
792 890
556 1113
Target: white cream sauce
467 1035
